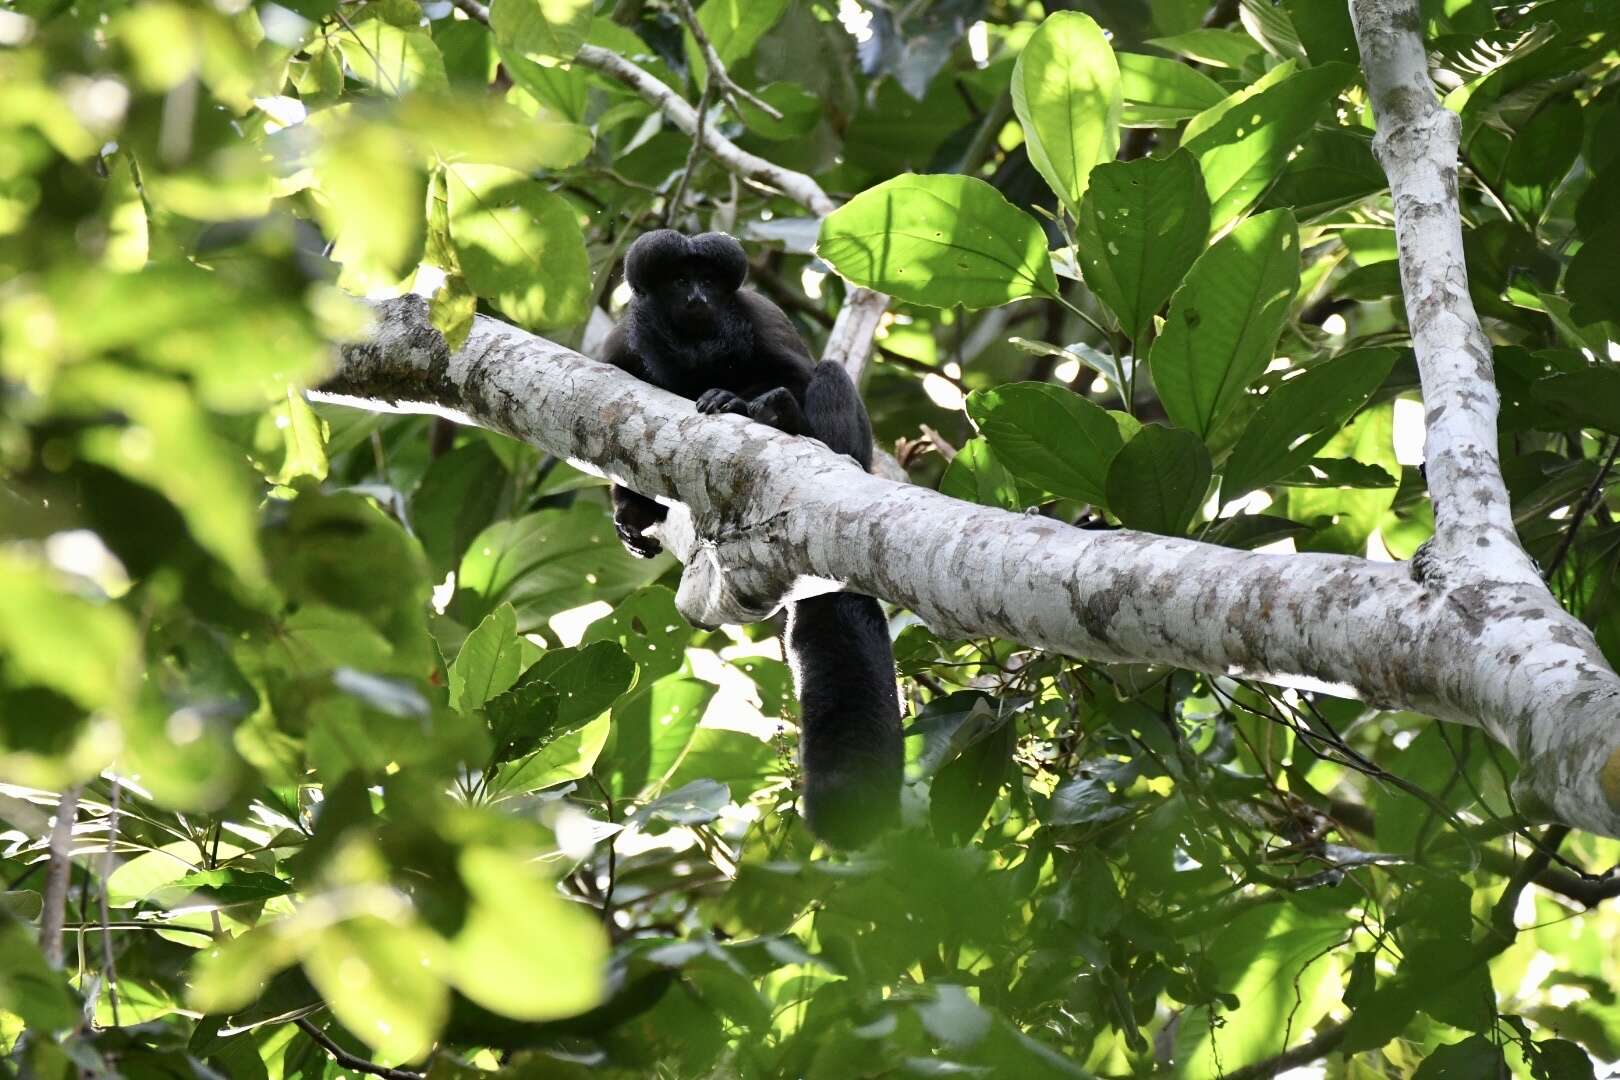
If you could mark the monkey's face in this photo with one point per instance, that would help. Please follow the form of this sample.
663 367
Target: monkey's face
692 295
691 280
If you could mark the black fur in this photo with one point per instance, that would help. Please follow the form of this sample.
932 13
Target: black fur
692 329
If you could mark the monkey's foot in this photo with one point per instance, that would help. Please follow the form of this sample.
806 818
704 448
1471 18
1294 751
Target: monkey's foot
635 542
778 409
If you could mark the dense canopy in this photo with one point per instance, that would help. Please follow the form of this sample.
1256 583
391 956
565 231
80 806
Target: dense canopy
338 741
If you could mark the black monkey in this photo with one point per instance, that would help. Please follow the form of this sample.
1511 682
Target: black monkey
693 330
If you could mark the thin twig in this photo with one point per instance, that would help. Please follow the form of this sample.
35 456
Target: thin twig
1303 1054
57 876
109 969
729 89
1584 507
474 10
679 194
352 1061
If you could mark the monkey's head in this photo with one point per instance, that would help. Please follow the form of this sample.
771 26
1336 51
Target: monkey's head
689 278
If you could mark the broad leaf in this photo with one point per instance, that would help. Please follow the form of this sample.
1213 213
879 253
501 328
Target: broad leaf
939 240
523 951
1066 92
518 244
1158 480
489 661
545 30
1299 416
1159 92
1225 321
1244 143
1141 226
1049 436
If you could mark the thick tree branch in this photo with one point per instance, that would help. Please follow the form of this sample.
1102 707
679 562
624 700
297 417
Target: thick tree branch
1475 551
773 516
1417 145
850 343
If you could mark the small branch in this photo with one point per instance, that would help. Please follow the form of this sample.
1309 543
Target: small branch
109 859
679 194
1303 1054
850 343
474 10
1582 508
733 94
57 876
795 185
352 1061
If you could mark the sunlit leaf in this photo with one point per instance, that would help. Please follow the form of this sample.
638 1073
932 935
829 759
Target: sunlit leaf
1050 436
1224 321
524 951
1158 480
518 244
1066 92
489 661
1140 228
938 240
546 30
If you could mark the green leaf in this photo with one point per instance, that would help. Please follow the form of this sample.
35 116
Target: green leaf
546 30
1589 281
964 790
975 475
456 500
303 438
519 245
1225 321
1219 48
392 60
1471 1059
938 240
1298 417
53 635
546 562
649 629
522 719
1158 480
1141 227
588 679
382 980
1282 965
1066 92
1049 436
733 27
28 986
489 661
1244 143
1380 1016
1159 92
1540 156
650 732
564 759
695 803
524 951
170 444
23 904
375 195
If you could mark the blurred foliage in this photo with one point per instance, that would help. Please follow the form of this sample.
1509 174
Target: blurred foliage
389 759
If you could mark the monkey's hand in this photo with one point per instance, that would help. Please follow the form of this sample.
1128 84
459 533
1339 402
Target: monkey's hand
721 401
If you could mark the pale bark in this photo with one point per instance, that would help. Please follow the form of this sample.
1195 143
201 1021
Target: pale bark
772 514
